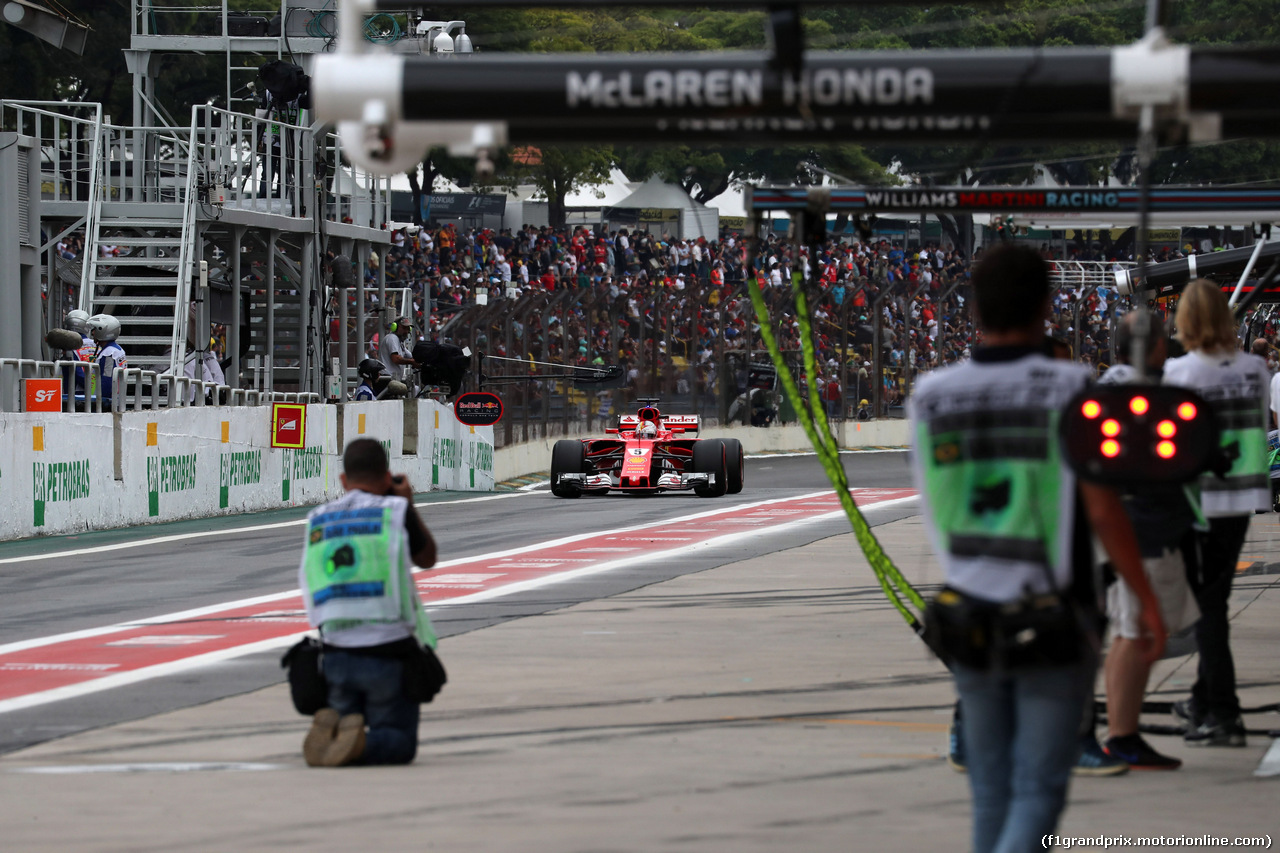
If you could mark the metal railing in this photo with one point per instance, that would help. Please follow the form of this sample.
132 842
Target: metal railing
76 377
135 389
132 388
1081 274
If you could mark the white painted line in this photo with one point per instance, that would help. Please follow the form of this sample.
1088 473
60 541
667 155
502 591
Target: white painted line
122 679
278 596
156 767
812 453
1270 764
182 537
736 536
172 667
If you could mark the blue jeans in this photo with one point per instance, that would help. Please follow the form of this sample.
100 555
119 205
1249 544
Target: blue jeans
363 684
1022 735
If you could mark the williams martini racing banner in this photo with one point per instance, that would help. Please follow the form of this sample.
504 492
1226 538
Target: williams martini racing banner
1019 199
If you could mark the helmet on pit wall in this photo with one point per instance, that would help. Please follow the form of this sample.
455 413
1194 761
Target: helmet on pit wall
77 321
103 328
370 368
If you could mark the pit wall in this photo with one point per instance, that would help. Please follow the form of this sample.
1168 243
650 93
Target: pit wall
534 456
67 473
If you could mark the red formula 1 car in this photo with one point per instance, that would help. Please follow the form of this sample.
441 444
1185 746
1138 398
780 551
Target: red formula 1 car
648 453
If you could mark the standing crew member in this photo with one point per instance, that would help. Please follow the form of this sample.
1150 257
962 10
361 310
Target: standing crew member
78 321
1236 386
1004 513
357 582
391 350
368 370
1162 519
104 329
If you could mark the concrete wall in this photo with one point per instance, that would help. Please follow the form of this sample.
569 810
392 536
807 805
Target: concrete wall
64 473
534 456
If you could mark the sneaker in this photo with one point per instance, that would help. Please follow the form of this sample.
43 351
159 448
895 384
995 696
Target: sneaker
1138 754
1211 732
955 747
1093 761
348 744
323 728
1186 712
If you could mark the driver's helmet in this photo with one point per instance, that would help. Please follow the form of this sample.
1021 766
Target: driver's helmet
647 429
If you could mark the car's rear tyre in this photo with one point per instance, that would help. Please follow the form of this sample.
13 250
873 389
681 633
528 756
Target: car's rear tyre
709 458
733 457
567 457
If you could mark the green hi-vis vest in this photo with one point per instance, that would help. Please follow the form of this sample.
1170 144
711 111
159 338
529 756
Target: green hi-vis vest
352 564
999 501
1235 385
1244 437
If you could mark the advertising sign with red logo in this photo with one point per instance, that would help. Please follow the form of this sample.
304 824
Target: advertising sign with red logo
288 425
478 408
43 395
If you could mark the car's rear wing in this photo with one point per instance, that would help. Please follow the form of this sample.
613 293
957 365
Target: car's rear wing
675 423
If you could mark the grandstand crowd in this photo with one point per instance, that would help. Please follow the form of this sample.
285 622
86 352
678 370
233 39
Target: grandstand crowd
666 308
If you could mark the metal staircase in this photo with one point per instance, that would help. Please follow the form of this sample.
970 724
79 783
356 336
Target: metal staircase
140 247
281 341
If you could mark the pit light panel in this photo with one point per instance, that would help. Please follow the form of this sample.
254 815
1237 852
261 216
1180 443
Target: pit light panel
1129 435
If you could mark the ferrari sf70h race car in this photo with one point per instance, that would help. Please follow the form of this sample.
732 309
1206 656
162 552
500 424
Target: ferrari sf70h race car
647 453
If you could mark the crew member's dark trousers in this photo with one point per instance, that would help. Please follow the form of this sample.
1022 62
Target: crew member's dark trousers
373 686
1211 577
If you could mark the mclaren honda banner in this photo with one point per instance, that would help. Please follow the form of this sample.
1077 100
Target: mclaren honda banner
917 95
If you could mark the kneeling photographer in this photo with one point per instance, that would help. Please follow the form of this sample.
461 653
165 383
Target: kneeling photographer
357 582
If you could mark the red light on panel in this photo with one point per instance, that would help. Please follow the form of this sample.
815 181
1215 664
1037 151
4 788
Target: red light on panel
1166 450
1111 427
1139 405
1166 429
1111 448
1091 409
1187 411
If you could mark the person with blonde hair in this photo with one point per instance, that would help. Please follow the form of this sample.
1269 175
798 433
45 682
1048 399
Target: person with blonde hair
1236 386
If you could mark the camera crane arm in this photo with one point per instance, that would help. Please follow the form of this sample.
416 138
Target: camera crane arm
600 375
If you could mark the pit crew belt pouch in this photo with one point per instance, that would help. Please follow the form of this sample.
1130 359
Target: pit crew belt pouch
307 685
424 674
1038 630
957 628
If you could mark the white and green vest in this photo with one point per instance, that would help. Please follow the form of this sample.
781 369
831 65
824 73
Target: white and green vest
356 574
999 501
1237 386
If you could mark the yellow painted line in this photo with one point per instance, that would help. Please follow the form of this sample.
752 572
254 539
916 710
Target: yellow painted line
37 439
915 756
226 432
153 434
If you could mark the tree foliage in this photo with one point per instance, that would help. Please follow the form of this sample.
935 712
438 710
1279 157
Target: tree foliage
555 172
30 69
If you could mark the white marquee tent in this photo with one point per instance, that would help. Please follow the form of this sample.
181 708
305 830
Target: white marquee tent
691 218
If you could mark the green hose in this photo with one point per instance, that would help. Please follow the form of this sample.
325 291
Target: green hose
813 418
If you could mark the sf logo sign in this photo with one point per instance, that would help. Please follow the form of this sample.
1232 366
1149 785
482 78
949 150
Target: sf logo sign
43 395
